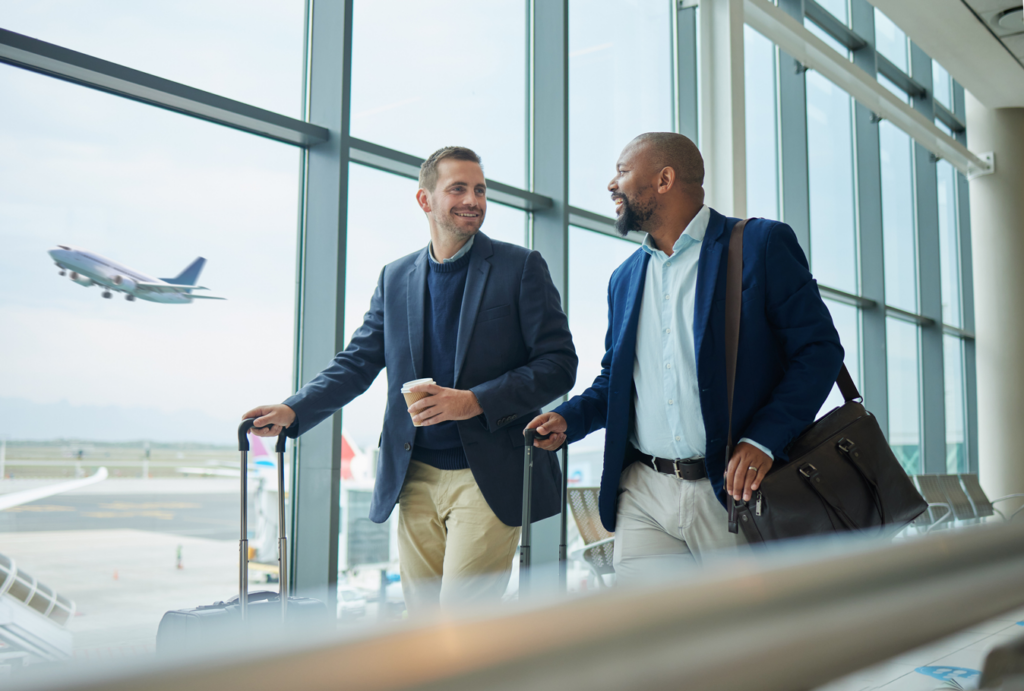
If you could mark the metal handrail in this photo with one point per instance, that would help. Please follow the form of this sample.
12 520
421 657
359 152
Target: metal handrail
787 619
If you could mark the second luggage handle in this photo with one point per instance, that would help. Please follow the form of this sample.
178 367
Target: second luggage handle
282 540
526 539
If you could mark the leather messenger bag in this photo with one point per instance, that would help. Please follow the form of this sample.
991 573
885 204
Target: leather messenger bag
841 476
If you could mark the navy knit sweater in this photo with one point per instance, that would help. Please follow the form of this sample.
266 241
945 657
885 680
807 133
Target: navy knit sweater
440 445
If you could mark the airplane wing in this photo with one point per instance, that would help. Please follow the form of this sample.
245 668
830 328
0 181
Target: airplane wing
205 297
13 499
167 287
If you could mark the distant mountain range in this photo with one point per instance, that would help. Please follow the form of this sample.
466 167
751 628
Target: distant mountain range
23 420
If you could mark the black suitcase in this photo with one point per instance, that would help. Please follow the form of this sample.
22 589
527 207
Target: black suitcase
526 539
200 628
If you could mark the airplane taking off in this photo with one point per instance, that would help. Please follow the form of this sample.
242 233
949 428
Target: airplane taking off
87 269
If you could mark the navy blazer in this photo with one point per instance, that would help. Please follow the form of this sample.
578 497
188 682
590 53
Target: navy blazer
789 352
513 351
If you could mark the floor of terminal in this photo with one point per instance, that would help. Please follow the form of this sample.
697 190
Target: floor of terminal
954 662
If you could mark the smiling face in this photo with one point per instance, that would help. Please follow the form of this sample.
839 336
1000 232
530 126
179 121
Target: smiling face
458 202
633 190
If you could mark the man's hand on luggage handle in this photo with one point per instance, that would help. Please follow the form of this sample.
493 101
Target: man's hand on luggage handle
443 404
278 416
747 469
549 423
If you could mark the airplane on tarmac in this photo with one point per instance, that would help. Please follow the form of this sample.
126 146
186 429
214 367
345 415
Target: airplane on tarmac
87 269
12 499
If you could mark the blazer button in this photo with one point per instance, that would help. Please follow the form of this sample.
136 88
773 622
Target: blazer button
408 446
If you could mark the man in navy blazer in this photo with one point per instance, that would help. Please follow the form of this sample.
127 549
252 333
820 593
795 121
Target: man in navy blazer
483 319
661 394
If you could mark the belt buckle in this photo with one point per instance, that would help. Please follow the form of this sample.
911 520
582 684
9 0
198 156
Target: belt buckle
654 464
677 464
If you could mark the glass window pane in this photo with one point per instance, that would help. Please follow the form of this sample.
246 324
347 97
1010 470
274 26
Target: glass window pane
151 391
898 217
762 126
829 40
611 100
382 200
942 126
847 321
250 52
941 85
837 8
956 438
592 259
891 86
466 92
830 176
891 41
904 393
949 243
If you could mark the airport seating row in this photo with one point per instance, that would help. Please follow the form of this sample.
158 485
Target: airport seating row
956 498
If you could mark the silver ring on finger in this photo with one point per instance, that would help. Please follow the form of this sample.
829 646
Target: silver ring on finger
752 468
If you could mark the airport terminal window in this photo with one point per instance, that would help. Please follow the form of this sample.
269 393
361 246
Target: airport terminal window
620 85
415 93
898 217
218 46
891 41
942 86
761 124
949 243
592 259
837 7
832 191
956 438
902 364
151 391
829 40
847 322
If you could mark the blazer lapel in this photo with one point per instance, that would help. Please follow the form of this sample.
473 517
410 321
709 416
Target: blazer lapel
416 292
636 296
707 277
476 281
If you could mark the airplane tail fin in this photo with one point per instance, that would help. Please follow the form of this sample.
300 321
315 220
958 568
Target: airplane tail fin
189 276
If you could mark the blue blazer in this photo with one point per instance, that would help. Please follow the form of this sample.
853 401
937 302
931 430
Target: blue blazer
513 351
789 352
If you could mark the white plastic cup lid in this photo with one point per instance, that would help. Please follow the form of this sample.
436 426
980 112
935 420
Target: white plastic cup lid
415 382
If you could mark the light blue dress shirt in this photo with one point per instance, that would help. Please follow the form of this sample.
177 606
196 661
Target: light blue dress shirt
455 257
669 422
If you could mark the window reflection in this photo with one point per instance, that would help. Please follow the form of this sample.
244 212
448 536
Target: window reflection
761 124
620 85
469 91
904 393
956 439
898 217
830 177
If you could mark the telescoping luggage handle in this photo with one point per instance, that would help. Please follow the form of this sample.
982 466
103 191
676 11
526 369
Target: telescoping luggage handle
526 539
282 540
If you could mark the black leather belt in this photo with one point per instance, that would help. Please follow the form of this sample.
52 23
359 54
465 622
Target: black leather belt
683 468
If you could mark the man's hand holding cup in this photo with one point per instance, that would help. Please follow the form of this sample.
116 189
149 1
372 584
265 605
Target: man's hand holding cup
549 423
430 404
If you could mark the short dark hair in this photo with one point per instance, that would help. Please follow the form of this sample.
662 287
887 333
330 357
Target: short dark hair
428 171
676 151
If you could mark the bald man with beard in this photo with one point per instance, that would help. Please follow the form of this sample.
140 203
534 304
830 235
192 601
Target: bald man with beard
661 394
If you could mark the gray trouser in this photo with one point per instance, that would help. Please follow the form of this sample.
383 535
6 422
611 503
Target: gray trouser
664 524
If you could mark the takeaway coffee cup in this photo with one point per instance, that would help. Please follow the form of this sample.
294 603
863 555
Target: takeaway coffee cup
413 396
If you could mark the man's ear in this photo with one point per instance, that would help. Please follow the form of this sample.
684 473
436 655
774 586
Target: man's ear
423 199
666 179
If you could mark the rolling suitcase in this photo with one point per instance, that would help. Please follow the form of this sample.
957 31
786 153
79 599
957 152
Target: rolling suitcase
526 539
200 628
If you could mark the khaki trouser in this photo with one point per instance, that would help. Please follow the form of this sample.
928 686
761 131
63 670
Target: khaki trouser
452 549
664 524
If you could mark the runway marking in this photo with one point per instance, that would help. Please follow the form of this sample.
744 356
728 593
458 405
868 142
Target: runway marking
40 508
125 506
160 515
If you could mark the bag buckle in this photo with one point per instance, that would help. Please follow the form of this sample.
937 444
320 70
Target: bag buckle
845 445
807 469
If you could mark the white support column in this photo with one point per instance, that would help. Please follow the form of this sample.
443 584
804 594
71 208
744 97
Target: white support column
722 137
997 207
